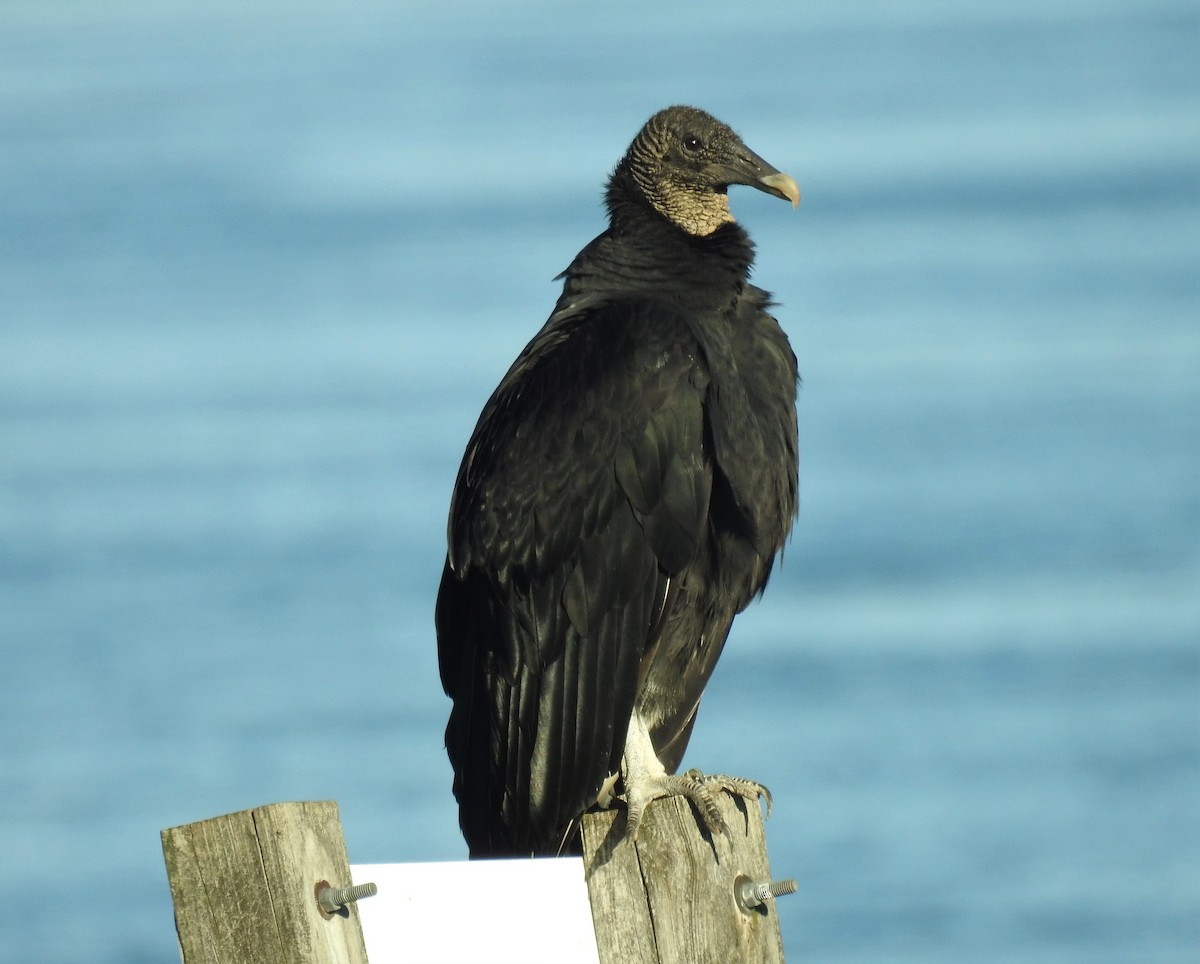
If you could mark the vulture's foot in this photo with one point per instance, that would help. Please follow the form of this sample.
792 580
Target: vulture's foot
700 788
646 780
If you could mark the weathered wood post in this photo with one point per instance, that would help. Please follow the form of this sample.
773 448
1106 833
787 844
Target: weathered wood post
671 897
245 887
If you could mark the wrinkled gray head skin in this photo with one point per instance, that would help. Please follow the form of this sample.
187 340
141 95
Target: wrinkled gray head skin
683 161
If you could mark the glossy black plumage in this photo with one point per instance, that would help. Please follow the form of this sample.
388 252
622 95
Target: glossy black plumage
622 497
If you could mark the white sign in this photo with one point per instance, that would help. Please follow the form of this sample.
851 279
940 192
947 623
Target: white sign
486 911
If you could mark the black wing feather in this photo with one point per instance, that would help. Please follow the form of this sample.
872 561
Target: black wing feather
583 491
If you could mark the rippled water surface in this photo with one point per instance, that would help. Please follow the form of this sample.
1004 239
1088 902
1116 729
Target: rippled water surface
260 267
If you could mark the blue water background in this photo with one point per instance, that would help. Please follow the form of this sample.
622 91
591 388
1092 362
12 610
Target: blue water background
261 264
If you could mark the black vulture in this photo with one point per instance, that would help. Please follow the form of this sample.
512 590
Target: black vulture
623 496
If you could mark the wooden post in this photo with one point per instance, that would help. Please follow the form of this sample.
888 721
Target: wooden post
244 887
669 898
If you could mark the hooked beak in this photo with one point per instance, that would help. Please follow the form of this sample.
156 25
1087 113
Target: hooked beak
781 185
754 172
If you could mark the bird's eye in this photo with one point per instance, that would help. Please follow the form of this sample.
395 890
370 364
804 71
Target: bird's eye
693 144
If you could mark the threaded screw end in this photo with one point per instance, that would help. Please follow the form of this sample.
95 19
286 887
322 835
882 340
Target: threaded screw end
751 894
333 899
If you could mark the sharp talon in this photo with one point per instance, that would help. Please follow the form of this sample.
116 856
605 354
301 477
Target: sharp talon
607 789
716 823
633 821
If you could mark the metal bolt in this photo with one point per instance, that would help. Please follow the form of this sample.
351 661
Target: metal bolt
751 893
331 899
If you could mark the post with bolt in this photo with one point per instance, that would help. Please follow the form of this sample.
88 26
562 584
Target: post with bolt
270 885
680 894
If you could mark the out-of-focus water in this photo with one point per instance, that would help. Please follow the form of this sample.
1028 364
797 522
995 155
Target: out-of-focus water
261 265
